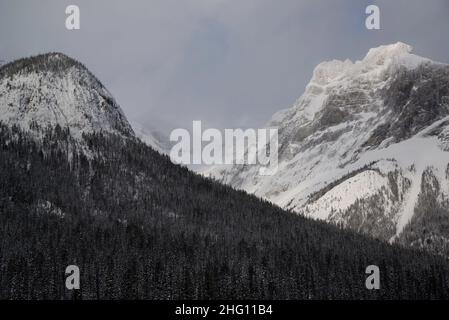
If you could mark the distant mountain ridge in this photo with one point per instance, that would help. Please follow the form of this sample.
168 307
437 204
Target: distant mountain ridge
357 146
152 138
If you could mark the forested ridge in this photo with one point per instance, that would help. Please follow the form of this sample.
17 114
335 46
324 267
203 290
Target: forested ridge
140 227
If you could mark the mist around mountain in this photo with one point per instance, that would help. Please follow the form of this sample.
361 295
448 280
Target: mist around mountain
79 188
366 147
152 137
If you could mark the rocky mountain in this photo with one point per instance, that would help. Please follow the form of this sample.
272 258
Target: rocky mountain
77 188
53 89
363 147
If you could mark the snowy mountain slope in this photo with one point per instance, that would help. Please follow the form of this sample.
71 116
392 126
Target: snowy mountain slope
53 89
355 146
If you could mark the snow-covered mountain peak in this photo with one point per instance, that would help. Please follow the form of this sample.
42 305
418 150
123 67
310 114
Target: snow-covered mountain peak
356 145
393 55
54 89
380 54
327 71
331 78
385 58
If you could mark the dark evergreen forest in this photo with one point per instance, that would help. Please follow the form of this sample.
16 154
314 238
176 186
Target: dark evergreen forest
140 227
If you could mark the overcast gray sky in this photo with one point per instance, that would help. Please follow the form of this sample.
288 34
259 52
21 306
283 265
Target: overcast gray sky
229 63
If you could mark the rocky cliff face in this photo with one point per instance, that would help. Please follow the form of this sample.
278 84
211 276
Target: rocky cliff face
53 89
359 146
